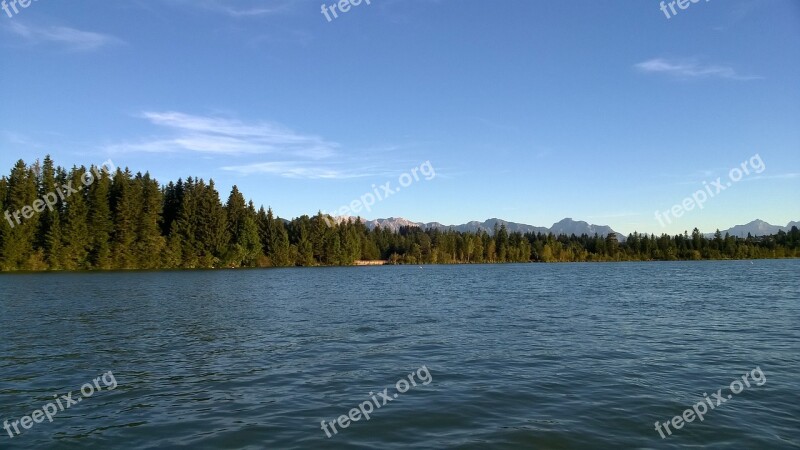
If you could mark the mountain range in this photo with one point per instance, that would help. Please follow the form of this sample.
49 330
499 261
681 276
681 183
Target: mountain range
756 228
566 226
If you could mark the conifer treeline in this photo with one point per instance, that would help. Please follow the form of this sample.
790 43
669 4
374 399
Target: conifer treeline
126 221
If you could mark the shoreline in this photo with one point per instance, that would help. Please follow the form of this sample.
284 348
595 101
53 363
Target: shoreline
376 264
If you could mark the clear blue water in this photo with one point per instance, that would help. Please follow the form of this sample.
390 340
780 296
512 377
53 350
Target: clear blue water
520 356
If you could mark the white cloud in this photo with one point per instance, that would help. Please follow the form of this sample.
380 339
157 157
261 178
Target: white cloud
293 169
690 69
223 136
263 147
242 8
778 176
288 153
72 38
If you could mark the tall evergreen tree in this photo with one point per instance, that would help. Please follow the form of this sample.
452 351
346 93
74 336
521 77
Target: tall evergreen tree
101 222
18 245
5 223
125 201
173 199
49 234
76 237
149 241
238 227
279 245
210 225
183 231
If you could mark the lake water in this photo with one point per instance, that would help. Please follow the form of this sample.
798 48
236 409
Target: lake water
519 356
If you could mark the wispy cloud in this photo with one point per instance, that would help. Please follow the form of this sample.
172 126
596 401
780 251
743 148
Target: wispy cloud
262 147
777 176
249 12
72 38
338 168
265 147
15 138
691 69
242 8
224 136
294 169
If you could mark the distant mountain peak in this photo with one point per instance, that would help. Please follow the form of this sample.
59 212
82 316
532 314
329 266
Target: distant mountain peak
756 227
566 226
569 226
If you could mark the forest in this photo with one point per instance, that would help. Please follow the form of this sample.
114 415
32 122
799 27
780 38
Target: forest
99 219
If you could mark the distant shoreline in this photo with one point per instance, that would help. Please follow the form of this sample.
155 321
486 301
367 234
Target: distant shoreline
378 263
102 219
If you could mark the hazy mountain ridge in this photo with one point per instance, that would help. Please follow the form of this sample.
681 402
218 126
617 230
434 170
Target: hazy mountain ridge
565 226
569 227
757 227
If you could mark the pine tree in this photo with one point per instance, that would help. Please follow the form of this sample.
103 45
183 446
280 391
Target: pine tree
263 230
75 235
149 241
183 232
351 243
235 210
125 200
236 223
612 245
321 238
173 199
100 219
501 239
6 222
281 251
18 249
210 224
49 234
300 236
249 242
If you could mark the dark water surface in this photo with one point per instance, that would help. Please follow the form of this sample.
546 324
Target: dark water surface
519 356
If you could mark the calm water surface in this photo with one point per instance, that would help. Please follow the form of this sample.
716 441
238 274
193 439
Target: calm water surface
521 356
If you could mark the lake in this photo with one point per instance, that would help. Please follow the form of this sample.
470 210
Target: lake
493 356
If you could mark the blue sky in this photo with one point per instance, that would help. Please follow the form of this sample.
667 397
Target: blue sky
530 111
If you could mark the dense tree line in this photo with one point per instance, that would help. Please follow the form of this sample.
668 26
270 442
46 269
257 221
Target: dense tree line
103 219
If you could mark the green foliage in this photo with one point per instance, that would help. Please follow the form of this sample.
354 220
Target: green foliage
149 243
121 221
125 202
100 219
245 246
75 237
20 236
